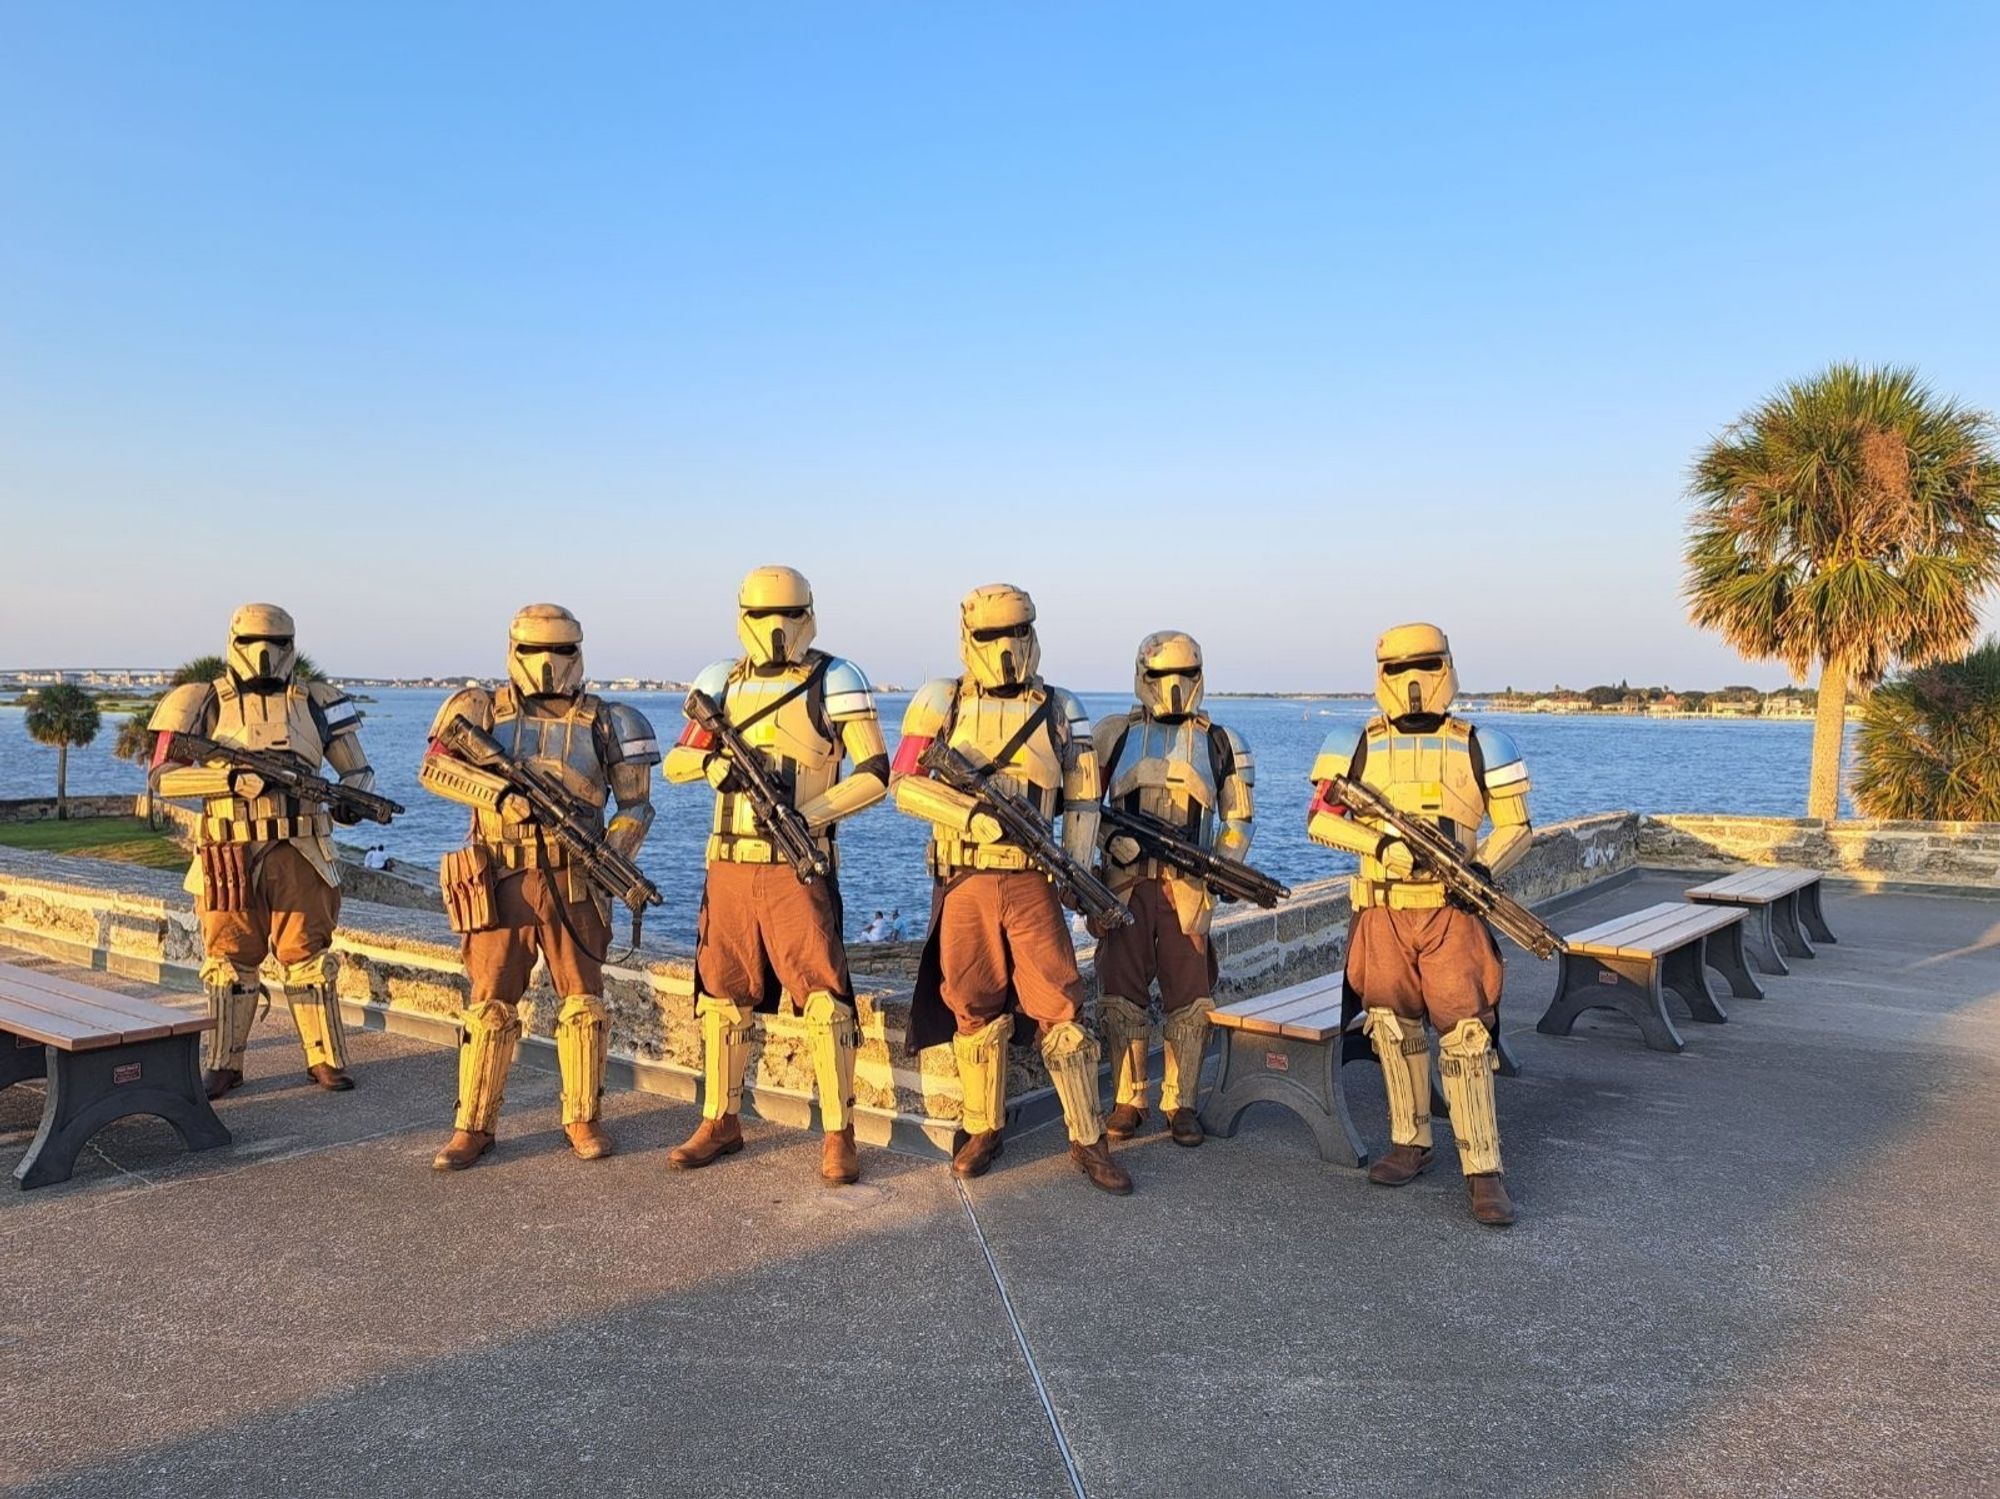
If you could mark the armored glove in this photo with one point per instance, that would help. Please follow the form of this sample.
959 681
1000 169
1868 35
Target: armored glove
1123 848
514 809
721 773
246 784
1394 855
983 828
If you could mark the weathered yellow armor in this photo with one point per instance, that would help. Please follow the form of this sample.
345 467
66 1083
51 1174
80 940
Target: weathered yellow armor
805 719
1052 764
314 721
1192 774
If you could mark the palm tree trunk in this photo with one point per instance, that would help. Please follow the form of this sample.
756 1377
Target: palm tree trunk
62 781
1829 734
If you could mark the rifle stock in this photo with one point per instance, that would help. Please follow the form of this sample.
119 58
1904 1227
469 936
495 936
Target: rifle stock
1226 877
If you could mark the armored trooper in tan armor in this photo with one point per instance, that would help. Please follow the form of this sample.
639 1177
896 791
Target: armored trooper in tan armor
763 932
513 892
1166 758
1412 956
264 877
998 939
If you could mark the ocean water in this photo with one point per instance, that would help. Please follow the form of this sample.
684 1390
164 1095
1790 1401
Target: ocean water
1578 765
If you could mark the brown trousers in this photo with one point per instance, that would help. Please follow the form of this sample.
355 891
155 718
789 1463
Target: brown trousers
499 961
1000 929
1130 958
1439 964
758 924
291 913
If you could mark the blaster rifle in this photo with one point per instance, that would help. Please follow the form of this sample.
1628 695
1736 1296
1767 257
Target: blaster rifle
776 815
1226 877
284 770
557 812
1024 827
1466 886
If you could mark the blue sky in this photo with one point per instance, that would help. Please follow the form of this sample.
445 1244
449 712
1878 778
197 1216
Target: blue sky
1275 323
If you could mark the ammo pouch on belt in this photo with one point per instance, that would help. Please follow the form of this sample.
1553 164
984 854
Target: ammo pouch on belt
466 877
225 876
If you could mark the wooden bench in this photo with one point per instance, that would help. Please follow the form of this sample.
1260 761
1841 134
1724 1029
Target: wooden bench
1631 962
1784 912
1287 1047
106 1056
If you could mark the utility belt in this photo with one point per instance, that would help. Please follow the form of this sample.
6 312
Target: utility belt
266 829
737 848
979 858
533 853
1397 895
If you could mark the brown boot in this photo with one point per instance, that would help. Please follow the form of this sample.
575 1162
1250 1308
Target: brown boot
587 1140
1401 1166
1184 1125
1123 1122
1095 1162
463 1148
977 1154
330 1078
219 1080
1490 1203
839 1166
712 1139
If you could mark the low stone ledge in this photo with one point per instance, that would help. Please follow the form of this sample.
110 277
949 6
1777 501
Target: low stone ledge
1865 851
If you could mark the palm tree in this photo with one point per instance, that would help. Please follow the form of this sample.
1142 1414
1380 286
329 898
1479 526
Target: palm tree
62 715
135 743
1929 745
1846 523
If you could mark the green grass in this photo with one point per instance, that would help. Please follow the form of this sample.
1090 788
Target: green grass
125 839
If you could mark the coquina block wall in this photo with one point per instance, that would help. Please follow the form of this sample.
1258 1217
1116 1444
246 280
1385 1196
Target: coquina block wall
1872 852
399 970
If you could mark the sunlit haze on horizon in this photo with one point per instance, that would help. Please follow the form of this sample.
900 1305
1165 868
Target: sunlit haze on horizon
1277 324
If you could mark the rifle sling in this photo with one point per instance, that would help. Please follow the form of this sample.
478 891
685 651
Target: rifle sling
798 690
562 906
1012 747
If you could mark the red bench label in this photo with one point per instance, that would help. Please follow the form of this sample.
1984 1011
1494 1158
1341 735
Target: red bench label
1277 1061
129 1073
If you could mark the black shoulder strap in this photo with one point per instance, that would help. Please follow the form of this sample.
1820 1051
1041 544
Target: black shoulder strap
1020 737
812 680
1221 755
1358 761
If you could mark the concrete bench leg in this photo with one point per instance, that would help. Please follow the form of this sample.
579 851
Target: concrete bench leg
1785 922
1684 974
90 1089
1813 914
1303 1076
1631 986
1723 951
1761 943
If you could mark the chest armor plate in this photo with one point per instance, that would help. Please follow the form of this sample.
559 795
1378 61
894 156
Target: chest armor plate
804 760
1431 775
986 725
271 721
558 743
1165 770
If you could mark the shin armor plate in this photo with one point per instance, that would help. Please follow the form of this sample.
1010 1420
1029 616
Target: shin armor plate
725 1052
1404 1050
583 1037
1465 1065
316 1013
232 1004
1072 1053
982 1074
1186 1035
832 1035
1126 1031
488 1035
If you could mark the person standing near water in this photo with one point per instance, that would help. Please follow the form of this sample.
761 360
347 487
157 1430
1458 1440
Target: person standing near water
1412 956
1167 759
763 929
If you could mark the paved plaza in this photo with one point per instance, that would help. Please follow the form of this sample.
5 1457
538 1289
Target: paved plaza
1764 1266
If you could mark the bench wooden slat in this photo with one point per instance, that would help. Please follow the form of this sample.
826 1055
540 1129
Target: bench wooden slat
81 1017
1647 933
1308 1011
1756 886
1258 1004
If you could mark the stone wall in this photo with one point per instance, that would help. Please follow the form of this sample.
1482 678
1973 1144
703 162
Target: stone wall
43 808
1866 851
399 969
